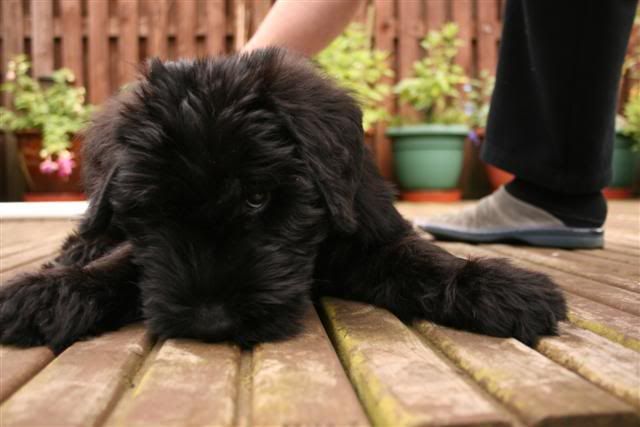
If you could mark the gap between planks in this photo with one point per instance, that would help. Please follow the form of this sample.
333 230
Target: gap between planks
242 413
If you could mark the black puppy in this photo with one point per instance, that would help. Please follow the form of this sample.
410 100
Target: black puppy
224 194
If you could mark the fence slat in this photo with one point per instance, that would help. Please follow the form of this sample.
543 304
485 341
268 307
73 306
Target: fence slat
240 24
157 43
385 34
462 14
410 31
12 31
361 14
488 31
42 25
128 46
72 38
436 13
216 29
147 27
259 9
12 28
98 51
186 29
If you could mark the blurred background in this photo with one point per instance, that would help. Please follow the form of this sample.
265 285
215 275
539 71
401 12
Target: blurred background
79 52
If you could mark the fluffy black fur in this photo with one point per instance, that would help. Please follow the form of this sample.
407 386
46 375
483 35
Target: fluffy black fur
224 194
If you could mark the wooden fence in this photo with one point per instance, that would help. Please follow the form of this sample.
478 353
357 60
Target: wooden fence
102 41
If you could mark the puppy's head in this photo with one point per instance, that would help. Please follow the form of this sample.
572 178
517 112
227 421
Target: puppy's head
227 174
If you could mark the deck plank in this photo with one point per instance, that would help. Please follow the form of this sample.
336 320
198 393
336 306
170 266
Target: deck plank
603 271
45 250
19 365
400 381
629 253
610 254
187 383
400 377
609 365
14 232
592 309
628 239
81 385
27 245
28 267
615 325
612 296
540 391
300 381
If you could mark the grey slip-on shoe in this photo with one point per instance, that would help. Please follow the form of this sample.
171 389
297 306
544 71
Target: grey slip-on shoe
500 217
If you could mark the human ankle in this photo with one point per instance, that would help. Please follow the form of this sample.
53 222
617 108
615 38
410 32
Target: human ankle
574 210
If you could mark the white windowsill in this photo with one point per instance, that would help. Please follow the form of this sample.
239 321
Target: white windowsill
42 210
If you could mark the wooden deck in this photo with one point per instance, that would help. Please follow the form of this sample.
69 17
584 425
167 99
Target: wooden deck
354 364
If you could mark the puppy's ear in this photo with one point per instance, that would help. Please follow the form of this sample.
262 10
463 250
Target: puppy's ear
330 143
327 125
99 214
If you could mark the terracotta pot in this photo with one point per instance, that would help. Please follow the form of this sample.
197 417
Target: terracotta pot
29 145
497 177
613 193
623 169
432 196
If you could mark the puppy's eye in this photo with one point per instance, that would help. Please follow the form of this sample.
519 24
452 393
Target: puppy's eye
257 199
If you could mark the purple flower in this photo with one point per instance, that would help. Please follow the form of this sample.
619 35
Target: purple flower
469 108
48 166
474 138
65 163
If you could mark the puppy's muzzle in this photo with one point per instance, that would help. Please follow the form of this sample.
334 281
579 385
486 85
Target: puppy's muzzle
212 322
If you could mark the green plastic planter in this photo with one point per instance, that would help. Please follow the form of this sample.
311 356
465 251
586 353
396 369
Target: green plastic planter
623 162
428 157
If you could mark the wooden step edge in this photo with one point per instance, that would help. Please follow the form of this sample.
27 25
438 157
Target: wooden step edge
19 365
605 331
244 399
398 377
598 360
187 380
99 369
383 409
499 382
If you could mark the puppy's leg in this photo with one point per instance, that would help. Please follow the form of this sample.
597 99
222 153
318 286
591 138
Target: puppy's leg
415 279
79 250
66 300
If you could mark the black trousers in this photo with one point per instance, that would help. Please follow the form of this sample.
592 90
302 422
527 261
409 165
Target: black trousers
552 113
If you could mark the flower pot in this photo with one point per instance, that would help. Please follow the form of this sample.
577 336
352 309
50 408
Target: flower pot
497 177
39 184
428 158
623 163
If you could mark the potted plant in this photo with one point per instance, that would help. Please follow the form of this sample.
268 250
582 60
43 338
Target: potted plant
428 156
356 66
627 138
47 116
479 99
625 149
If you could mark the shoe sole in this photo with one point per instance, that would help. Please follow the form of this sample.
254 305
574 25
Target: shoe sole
569 238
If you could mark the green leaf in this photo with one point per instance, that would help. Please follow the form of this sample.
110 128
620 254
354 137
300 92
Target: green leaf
57 111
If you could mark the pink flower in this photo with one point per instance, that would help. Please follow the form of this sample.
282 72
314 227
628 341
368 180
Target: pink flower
48 166
65 163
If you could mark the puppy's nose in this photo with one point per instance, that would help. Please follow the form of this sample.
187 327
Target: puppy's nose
212 322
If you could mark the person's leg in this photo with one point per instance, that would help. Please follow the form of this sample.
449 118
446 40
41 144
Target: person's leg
552 117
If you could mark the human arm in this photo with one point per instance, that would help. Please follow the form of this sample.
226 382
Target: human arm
305 26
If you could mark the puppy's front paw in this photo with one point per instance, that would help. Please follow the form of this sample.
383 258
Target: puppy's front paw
26 305
46 308
504 300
